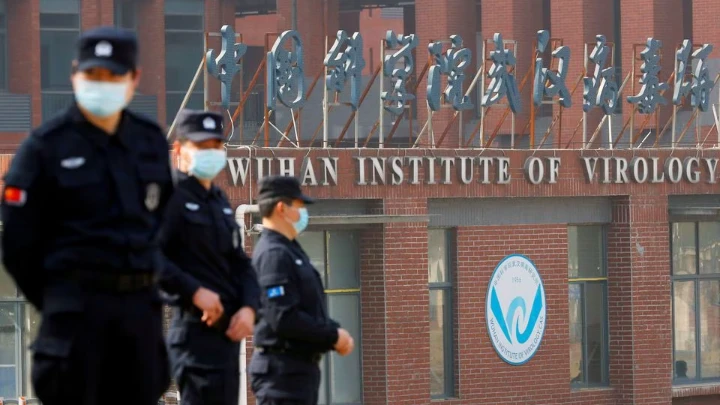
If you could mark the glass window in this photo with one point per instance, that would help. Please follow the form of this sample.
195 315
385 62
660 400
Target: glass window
184 45
696 301
126 14
587 303
18 327
59 31
442 368
336 257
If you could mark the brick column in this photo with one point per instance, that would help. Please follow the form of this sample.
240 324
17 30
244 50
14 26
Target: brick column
23 21
372 341
620 307
151 37
95 13
407 329
516 20
577 22
436 21
642 19
707 31
651 299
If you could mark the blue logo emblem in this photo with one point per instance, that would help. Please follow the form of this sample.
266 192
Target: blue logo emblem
515 309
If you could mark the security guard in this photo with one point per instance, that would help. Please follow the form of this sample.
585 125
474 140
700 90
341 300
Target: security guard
216 288
81 209
294 328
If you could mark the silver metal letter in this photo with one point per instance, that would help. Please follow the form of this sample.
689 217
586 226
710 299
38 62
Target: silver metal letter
345 64
557 78
702 84
227 64
503 82
285 72
396 98
453 65
600 90
649 96
681 87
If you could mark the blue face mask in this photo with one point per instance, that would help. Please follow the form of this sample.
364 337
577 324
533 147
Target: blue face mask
207 163
101 99
301 223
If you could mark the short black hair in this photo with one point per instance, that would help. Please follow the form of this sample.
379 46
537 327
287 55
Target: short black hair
266 206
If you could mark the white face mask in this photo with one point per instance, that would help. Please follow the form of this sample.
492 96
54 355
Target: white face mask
101 98
207 163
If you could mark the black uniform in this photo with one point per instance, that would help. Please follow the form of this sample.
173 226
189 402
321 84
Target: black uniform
294 329
201 239
81 212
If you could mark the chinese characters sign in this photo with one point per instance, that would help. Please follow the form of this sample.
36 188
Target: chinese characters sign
448 67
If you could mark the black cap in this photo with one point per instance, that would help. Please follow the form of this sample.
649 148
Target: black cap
282 187
198 126
108 47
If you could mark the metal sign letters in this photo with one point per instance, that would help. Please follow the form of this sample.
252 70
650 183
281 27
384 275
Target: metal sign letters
347 63
451 64
557 78
285 75
600 90
398 96
502 83
227 64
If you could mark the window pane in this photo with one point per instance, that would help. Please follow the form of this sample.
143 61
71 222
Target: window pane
346 373
437 256
31 326
576 333
184 22
60 6
595 333
585 251
183 54
65 21
683 247
184 7
709 235
8 347
57 53
684 329
710 328
174 100
313 243
125 14
437 342
343 260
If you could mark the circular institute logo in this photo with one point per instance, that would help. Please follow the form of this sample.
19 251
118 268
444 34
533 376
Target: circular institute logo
515 309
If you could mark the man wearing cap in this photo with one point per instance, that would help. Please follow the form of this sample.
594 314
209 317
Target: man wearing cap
293 329
81 209
215 285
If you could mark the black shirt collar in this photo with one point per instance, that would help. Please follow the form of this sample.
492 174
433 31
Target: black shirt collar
97 135
191 184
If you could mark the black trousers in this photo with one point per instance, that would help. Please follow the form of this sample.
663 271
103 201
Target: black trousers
210 386
107 350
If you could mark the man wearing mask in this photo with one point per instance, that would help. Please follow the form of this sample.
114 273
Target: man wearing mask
293 329
207 270
81 208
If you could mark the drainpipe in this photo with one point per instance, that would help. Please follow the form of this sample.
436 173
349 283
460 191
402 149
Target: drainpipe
240 213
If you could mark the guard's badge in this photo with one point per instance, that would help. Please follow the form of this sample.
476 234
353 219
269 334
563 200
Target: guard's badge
152 196
209 123
236 240
103 49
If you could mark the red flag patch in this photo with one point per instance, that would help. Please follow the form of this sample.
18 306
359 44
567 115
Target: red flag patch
14 196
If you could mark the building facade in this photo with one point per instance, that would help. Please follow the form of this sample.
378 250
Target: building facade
620 225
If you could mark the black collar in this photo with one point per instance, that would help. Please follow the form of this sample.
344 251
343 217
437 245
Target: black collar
192 185
97 135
